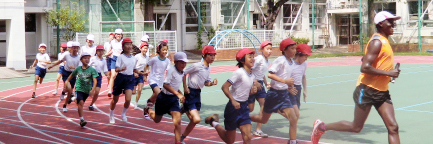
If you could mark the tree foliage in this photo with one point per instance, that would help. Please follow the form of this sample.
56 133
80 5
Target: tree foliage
71 20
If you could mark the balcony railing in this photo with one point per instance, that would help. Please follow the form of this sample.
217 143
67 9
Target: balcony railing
341 5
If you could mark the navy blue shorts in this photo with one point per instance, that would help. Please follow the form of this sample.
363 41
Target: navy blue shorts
122 83
81 96
65 76
113 62
296 100
153 85
166 103
139 79
259 94
60 71
108 60
40 71
277 100
233 118
98 81
192 100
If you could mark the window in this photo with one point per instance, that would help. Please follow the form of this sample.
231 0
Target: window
124 10
3 26
230 11
413 13
30 20
289 14
159 18
319 14
192 18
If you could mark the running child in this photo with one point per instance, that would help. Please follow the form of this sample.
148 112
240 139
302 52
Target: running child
259 70
42 60
89 47
298 75
63 49
124 81
141 75
72 61
168 99
199 76
372 86
277 98
108 56
159 64
85 84
99 64
236 113
116 50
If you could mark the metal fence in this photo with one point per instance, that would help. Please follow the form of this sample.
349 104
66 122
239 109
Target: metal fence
237 40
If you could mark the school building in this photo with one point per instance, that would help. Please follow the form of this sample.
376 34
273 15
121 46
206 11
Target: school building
23 25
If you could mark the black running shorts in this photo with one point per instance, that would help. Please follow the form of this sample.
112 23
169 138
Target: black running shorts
366 96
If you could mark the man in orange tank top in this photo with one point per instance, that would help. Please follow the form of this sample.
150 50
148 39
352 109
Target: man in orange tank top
372 86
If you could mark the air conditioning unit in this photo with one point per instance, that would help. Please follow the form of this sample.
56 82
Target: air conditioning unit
163 2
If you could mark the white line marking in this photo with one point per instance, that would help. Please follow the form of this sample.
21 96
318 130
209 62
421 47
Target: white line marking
27 137
24 92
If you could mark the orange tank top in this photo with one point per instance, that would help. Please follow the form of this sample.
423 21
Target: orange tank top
384 61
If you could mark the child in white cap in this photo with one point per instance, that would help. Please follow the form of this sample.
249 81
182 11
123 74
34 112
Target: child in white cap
89 47
168 99
116 49
42 60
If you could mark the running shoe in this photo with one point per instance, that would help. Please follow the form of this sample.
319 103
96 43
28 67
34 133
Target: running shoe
65 109
111 118
83 123
33 95
91 108
109 94
124 119
260 134
212 118
316 133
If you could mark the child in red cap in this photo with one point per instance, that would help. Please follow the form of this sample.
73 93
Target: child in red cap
277 98
141 76
100 65
63 48
199 76
236 113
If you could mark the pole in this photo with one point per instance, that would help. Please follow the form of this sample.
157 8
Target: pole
248 14
314 18
199 15
58 30
419 25
361 47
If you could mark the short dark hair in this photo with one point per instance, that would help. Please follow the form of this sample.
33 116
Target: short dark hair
161 44
240 64
282 52
206 54
300 54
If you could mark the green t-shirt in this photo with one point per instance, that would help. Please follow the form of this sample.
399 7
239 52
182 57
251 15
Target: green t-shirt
84 78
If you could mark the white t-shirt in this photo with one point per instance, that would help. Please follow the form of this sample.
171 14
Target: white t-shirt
158 67
198 75
174 79
116 47
90 50
42 57
241 84
283 69
126 61
298 72
71 61
60 57
260 67
100 65
141 61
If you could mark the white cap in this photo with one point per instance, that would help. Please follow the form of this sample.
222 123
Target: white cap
75 44
42 45
69 44
84 54
91 37
384 15
180 56
145 38
118 31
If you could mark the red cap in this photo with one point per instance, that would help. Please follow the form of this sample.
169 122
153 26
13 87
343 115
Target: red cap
241 53
100 47
208 49
111 34
303 48
164 40
265 43
286 42
126 40
143 44
63 45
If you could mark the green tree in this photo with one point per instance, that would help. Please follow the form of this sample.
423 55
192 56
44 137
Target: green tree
70 20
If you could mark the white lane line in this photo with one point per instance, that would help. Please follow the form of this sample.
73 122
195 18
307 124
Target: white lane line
27 137
24 92
25 123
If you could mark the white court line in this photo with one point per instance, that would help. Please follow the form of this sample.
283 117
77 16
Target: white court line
28 81
2 142
23 92
70 120
28 137
25 123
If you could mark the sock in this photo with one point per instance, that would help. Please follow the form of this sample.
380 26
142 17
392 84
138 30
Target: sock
214 123
55 90
111 113
124 111
81 118
292 141
322 127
